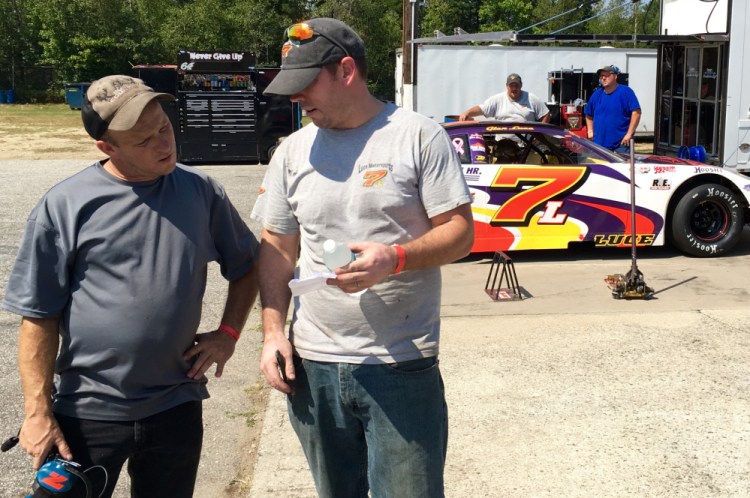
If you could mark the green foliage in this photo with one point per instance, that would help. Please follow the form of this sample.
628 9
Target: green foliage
631 19
45 43
577 10
263 25
504 15
446 15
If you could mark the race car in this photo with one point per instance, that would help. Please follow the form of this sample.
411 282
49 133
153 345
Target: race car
538 186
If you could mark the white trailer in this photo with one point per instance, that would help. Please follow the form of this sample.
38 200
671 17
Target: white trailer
452 78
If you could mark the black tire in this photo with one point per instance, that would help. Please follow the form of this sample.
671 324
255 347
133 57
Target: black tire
269 154
707 221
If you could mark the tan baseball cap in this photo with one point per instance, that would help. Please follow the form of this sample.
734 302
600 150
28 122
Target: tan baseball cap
115 103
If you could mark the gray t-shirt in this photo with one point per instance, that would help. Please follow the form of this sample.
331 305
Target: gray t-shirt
527 108
124 266
380 182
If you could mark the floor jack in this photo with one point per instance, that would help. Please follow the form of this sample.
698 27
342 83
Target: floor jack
631 285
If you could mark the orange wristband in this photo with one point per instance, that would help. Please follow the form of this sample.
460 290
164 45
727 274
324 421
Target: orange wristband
401 254
229 331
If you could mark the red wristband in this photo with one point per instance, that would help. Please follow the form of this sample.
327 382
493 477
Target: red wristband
229 331
401 254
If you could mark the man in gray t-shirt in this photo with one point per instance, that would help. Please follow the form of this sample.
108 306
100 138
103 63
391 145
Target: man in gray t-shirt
364 386
112 270
514 104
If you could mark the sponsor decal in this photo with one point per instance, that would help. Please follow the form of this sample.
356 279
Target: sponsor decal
660 170
712 192
537 185
458 145
661 184
472 174
510 128
644 169
707 169
707 248
622 239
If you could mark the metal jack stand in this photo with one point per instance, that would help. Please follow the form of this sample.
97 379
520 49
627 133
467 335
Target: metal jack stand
631 285
512 291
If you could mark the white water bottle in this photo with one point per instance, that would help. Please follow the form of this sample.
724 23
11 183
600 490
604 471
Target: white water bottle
336 254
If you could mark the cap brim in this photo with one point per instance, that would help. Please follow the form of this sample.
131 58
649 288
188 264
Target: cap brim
291 81
128 115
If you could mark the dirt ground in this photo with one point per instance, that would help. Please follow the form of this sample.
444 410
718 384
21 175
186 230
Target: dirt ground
64 143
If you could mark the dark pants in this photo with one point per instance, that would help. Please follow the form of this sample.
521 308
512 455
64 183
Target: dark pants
163 451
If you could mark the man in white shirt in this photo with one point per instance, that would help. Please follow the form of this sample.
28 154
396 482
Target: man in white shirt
512 105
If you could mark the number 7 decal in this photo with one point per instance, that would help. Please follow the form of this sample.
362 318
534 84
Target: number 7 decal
544 183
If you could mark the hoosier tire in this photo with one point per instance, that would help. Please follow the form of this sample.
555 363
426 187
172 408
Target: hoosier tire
707 221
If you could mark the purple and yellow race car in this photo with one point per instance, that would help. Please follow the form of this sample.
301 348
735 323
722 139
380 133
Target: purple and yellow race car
537 186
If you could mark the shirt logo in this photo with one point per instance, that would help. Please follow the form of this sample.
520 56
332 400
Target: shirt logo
374 177
373 173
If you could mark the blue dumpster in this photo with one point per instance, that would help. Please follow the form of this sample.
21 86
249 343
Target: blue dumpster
2 96
10 96
74 94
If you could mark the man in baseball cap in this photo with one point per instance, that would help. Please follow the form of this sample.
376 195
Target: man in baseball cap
608 70
333 178
308 47
115 103
513 78
110 282
613 112
514 104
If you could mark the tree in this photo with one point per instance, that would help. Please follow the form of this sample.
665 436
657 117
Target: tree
633 18
263 26
446 15
86 39
504 15
576 10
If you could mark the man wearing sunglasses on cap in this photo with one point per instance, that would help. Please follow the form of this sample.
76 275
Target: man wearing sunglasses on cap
112 271
613 112
365 395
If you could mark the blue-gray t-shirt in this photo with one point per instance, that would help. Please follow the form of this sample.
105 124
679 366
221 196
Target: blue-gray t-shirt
124 266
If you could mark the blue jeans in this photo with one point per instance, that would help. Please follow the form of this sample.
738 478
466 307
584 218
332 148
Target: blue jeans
382 428
622 149
163 451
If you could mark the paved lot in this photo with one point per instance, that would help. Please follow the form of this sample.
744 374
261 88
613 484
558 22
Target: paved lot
566 394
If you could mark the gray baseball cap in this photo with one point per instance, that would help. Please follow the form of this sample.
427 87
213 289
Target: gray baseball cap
513 78
308 47
115 103
608 69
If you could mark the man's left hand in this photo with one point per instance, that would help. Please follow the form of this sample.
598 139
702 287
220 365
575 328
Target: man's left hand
211 347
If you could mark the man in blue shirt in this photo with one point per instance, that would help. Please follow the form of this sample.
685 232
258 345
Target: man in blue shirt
613 112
